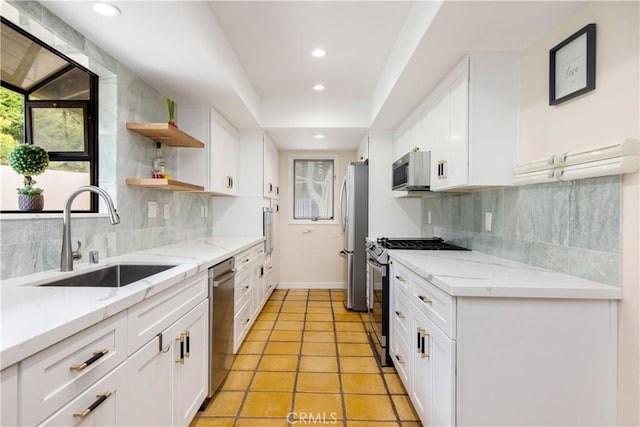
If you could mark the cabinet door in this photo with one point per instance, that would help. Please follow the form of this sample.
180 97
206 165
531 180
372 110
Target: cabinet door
457 158
271 172
440 149
224 153
191 353
433 390
150 384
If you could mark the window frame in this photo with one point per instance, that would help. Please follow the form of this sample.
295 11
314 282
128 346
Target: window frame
90 114
294 221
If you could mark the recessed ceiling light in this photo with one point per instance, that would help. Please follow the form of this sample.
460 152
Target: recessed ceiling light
318 53
319 87
318 136
105 9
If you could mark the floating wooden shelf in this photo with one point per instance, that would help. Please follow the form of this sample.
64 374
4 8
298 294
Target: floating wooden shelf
164 133
163 184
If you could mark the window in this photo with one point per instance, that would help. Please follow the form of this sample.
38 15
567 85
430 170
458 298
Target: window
313 189
48 100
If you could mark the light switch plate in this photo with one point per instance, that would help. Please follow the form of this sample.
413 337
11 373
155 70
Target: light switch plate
152 209
488 216
428 217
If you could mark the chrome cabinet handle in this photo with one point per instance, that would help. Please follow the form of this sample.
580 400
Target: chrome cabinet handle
400 359
400 278
400 314
187 344
101 398
425 299
96 356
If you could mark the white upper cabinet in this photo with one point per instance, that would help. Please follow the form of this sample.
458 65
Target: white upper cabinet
475 127
271 172
363 149
217 169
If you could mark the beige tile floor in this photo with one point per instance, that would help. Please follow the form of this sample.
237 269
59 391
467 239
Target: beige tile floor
305 362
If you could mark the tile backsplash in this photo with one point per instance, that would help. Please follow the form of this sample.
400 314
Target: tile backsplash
572 227
33 244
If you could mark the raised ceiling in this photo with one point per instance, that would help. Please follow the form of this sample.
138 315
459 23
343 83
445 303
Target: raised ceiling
252 62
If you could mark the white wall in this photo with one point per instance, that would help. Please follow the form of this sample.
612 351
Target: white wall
598 118
310 259
389 216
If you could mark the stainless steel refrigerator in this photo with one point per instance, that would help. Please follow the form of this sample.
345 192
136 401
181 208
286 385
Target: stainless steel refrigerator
354 215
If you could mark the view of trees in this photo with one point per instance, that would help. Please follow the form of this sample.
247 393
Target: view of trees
55 129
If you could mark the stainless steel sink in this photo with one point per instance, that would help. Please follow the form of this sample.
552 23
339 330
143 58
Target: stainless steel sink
111 277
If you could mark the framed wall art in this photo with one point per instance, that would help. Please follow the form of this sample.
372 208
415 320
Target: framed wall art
572 66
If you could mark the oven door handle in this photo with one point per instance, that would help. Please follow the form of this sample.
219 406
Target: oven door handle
382 269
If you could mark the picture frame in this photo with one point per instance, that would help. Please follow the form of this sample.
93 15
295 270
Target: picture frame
572 66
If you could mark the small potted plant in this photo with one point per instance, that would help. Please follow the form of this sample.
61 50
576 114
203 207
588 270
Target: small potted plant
171 105
29 160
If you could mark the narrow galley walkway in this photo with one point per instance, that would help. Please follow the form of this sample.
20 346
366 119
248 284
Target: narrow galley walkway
307 362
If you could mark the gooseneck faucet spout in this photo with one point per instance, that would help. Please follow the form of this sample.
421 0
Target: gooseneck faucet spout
66 256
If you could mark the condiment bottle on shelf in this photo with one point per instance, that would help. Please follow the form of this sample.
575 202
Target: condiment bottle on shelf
157 169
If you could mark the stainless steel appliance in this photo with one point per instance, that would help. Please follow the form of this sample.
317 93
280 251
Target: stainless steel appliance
378 287
221 288
267 228
412 172
354 207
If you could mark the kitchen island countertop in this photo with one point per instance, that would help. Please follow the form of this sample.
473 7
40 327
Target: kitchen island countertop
34 317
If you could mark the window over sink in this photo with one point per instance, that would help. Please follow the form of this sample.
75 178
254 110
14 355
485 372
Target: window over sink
48 99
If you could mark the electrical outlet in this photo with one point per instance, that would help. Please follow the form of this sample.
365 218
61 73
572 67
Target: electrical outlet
152 209
206 211
166 210
488 216
428 217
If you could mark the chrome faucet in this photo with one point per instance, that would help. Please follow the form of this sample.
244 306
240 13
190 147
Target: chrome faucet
66 256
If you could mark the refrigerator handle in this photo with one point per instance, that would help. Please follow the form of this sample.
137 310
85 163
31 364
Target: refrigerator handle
343 212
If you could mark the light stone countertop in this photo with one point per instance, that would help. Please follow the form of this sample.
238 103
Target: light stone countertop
33 317
474 274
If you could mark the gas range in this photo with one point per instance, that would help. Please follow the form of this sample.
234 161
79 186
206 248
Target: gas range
379 249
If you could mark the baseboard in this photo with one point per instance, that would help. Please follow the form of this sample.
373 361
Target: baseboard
311 285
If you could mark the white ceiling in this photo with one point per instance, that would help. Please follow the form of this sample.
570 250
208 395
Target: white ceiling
252 62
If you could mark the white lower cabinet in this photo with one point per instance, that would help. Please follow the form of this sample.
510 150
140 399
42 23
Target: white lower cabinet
434 366
191 355
486 361
150 385
167 378
147 365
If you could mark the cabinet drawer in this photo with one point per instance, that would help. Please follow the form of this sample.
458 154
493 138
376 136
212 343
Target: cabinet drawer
436 304
244 288
148 318
400 314
52 377
401 277
401 356
108 399
242 323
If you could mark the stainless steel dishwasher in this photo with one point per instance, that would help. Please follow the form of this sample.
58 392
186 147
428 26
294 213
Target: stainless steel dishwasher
221 287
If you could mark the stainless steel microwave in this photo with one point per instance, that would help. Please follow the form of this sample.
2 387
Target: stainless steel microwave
412 171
